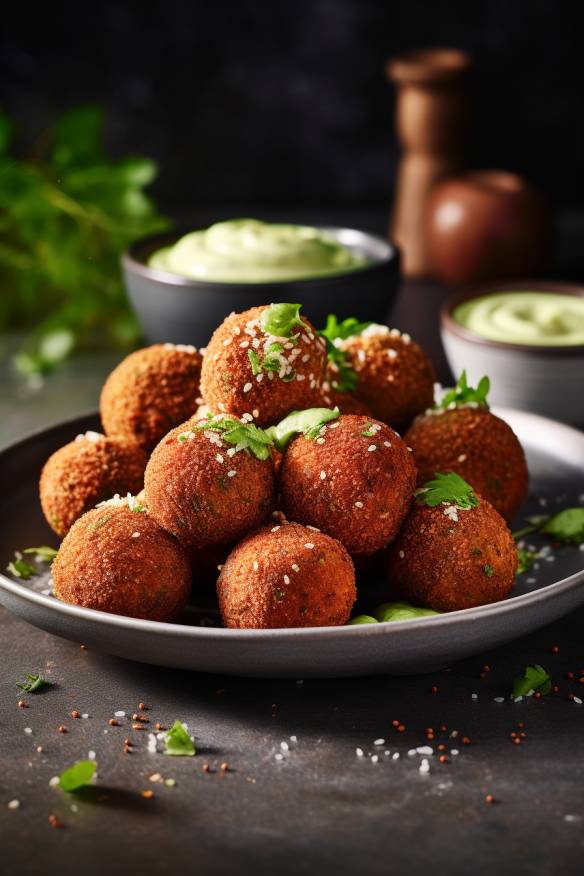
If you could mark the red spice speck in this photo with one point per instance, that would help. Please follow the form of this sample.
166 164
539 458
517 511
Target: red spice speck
83 647
147 793
521 725
556 688
158 726
206 768
137 727
434 689
443 728
489 799
517 740
54 821
75 714
555 649
395 723
537 695
142 718
142 706
569 676
224 767
443 758
62 729
113 722
401 728
22 704
441 747
465 740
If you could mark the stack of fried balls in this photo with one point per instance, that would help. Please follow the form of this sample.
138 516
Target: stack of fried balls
271 463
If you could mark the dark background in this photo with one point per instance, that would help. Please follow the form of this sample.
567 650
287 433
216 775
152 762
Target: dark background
286 102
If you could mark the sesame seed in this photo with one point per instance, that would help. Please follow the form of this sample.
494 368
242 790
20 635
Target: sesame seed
231 452
323 475
358 504
247 387
279 756
274 528
424 766
284 746
232 473
401 555
255 565
309 545
286 579
244 345
379 742
28 730
91 755
255 413
372 447
120 714
395 755
14 804
295 567
387 443
374 758
219 458
359 752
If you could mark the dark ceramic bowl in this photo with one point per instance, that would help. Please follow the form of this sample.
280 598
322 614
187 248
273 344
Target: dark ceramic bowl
184 311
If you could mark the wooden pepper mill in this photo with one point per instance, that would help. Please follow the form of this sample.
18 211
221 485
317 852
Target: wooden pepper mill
429 121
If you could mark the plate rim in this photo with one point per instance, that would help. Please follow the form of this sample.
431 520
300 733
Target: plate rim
159 628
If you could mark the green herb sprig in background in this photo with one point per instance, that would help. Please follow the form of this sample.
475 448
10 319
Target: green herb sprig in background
67 212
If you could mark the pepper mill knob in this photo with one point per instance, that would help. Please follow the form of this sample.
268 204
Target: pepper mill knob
429 122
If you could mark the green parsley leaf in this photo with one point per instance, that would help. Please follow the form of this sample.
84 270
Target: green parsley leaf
245 436
343 330
178 743
272 357
280 319
462 393
338 359
32 683
308 423
137 508
566 525
361 619
526 559
400 611
256 365
21 569
78 775
450 489
488 570
368 432
534 679
42 554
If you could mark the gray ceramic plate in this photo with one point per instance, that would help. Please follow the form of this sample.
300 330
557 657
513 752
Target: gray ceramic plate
556 462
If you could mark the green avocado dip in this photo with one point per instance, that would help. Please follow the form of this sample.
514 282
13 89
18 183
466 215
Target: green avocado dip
250 251
543 318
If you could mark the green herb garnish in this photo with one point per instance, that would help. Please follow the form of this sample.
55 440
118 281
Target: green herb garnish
566 526
256 365
449 489
178 743
32 683
99 523
307 423
280 319
369 431
534 679
21 569
245 436
488 570
42 554
361 619
525 560
68 213
462 393
389 612
78 775
339 360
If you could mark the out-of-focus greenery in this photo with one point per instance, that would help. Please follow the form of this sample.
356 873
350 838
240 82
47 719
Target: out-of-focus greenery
67 212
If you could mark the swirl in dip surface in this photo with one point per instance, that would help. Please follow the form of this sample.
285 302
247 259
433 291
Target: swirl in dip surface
251 251
543 318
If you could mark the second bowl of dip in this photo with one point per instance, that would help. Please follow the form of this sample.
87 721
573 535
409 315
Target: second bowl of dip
528 336
182 286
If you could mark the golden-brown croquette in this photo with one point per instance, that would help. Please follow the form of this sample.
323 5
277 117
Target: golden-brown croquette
150 392
447 558
119 560
204 490
395 377
346 402
247 370
355 481
286 575
86 471
478 446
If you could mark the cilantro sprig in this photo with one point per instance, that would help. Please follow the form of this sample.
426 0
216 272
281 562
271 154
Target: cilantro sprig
535 678
178 743
78 775
32 683
566 526
338 359
525 560
245 436
307 423
43 554
448 489
280 319
462 393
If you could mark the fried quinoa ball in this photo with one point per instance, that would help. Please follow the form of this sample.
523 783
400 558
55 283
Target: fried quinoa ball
119 560
286 576
478 446
86 471
205 491
355 481
446 558
395 378
150 392
236 379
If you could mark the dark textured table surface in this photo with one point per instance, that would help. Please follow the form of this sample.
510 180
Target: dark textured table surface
318 807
